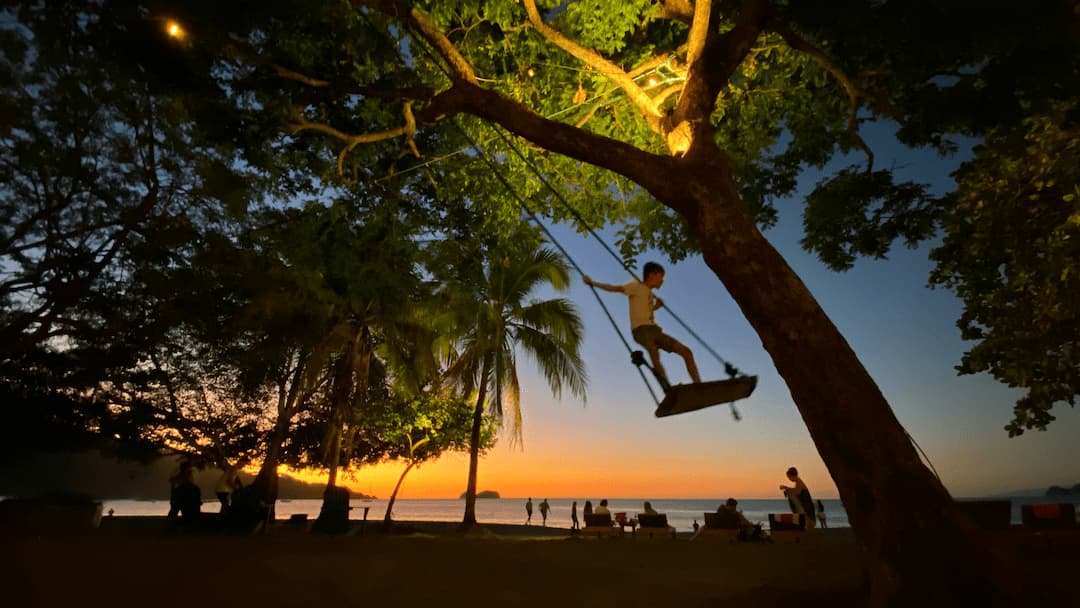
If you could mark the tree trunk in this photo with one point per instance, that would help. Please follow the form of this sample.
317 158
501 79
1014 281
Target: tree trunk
387 519
474 452
266 481
921 550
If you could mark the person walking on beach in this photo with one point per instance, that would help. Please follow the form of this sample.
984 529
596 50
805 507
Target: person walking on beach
181 478
229 483
798 496
544 508
821 514
528 511
574 525
642 323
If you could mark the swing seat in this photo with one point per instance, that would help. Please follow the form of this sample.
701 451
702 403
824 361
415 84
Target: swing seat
683 398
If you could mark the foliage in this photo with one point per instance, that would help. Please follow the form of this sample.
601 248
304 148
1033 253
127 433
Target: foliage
1011 253
499 313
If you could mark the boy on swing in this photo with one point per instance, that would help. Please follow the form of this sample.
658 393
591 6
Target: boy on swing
642 325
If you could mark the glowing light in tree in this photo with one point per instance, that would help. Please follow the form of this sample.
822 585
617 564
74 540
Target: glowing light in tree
174 30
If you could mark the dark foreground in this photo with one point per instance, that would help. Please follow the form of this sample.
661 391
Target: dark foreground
135 564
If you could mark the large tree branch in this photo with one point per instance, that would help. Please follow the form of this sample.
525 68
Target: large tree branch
595 61
459 66
699 30
710 70
649 170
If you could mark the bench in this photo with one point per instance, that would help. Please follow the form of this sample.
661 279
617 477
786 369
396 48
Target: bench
654 526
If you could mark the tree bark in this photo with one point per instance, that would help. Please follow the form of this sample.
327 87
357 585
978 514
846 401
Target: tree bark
469 520
921 549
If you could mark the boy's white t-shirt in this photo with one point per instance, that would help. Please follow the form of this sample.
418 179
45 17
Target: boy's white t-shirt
641 304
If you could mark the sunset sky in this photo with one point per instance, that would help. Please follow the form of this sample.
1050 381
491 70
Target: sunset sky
904 333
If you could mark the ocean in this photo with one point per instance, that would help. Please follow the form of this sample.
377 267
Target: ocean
681 513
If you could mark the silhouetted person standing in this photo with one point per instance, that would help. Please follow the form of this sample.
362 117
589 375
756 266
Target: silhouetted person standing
528 511
574 525
544 509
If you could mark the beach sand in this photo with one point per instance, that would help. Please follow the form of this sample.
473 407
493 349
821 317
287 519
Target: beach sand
130 562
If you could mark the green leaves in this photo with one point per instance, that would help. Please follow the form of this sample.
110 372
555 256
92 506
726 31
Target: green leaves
856 213
1010 252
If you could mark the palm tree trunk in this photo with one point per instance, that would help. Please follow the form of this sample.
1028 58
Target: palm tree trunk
387 519
922 550
474 451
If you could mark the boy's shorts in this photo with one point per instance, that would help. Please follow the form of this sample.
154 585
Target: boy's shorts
651 336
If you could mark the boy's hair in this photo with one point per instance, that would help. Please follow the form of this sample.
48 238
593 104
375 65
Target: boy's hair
793 472
651 267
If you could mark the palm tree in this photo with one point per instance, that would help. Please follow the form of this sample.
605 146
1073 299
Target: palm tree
500 320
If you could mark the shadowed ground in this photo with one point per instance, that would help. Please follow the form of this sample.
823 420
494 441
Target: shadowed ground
133 564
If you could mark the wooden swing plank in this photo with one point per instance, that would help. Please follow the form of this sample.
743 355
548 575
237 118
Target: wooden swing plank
684 398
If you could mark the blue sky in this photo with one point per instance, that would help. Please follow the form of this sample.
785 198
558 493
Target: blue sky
904 333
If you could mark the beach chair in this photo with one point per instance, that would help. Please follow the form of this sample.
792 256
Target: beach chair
624 522
1054 523
723 526
599 524
1049 516
788 527
654 526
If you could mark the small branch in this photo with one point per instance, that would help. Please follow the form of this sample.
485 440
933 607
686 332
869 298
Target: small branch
396 9
662 96
797 42
285 72
595 61
588 115
300 123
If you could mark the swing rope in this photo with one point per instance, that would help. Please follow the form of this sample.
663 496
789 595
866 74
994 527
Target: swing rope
638 360
495 170
729 369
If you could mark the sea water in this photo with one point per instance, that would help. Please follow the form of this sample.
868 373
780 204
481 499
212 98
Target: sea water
681 513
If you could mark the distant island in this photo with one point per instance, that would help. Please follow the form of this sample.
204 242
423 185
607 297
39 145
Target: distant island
106 478
1064 492
484 494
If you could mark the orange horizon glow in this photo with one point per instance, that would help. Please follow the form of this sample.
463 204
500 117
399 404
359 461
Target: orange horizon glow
506 474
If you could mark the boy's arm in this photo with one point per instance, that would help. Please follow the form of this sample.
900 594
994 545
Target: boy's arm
604 286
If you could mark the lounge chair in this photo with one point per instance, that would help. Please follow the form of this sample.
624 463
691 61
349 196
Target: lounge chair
1054 516
1053 523
599 524
654 526
788 527
721 525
